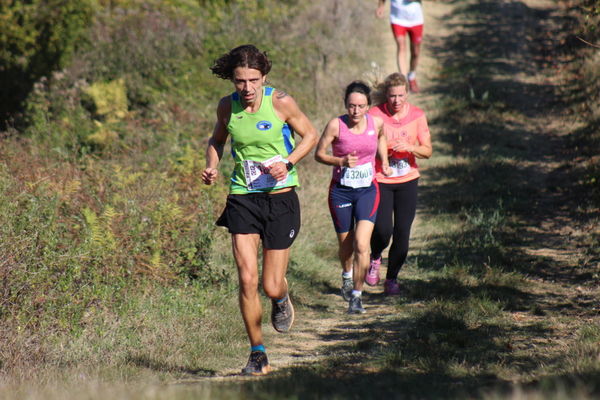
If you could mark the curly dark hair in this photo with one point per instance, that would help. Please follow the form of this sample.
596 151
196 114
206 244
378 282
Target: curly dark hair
358 87
242 56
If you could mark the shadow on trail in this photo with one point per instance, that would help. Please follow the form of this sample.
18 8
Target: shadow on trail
357 384
500 142
422 357
456 343
457 340
492 39
154 365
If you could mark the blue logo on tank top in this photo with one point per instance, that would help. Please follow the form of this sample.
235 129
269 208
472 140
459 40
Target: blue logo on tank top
264 125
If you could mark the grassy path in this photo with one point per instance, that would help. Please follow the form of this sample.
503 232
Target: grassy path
319 335
502 283
501 288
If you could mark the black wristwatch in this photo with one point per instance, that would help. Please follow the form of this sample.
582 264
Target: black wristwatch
288 165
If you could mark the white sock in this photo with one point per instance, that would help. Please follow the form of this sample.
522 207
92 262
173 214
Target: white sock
347 274
356 293
412 75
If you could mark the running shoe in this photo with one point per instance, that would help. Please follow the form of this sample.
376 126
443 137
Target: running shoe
347 286
391 287
412 84
372 277
282 314
258 364
355 306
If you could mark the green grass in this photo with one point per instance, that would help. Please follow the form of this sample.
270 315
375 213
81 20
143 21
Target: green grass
116 284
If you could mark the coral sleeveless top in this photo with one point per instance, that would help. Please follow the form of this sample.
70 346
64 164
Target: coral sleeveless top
411 129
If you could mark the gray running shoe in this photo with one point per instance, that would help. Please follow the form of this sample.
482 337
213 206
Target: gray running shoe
347 286
282 314
355 306
258 364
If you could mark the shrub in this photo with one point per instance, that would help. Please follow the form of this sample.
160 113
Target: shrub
37 37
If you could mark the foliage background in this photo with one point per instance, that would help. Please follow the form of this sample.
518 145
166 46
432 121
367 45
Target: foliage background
109 261
107 109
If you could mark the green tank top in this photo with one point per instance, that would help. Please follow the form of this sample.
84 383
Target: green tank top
258 140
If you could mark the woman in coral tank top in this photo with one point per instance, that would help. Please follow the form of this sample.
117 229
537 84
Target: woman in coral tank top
355 139
407 134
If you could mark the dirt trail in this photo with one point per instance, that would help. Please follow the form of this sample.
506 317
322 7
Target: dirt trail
314 334
318 335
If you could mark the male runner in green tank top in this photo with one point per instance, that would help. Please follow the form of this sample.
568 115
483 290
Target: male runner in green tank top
262 204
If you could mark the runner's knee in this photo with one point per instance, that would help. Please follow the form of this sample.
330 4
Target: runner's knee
274 287
248 280
362 247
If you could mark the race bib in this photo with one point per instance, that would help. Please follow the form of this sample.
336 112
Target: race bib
399 166
257 174
357 177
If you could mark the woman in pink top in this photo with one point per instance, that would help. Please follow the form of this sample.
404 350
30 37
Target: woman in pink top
407 133
355 138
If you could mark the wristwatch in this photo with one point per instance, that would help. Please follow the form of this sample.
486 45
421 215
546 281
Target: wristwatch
288 165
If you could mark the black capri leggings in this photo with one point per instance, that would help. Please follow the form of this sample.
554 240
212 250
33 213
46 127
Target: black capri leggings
395 215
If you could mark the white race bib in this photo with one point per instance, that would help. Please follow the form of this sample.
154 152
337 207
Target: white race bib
257 174
357 177
399 166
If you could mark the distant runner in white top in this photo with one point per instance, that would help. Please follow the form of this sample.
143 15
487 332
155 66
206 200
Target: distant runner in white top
406 16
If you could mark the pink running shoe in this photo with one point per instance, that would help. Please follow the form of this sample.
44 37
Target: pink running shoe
391 287
372 277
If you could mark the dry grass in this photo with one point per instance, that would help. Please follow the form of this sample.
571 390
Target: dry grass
495 306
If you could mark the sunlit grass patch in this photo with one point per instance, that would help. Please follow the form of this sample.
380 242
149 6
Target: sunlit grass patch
562 392
450 336
167 330
589 333
583 355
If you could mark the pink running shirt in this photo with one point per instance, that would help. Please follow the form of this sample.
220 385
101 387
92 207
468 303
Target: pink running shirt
411 129
365 145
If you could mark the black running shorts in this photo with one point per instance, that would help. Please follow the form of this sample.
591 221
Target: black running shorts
275 217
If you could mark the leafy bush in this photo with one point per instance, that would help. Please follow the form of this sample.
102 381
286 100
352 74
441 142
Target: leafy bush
36 37
71 238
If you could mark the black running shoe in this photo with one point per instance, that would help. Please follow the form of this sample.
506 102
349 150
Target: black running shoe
258 364
282 314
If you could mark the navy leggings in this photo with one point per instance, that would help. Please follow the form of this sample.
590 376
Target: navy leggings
395 215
